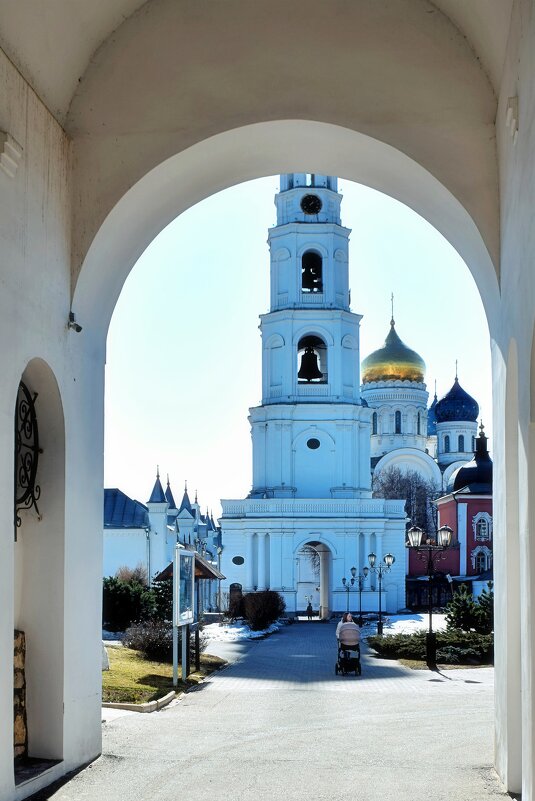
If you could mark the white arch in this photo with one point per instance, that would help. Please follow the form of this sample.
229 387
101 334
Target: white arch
250 152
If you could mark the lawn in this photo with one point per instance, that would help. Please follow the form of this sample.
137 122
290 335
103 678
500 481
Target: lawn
134 680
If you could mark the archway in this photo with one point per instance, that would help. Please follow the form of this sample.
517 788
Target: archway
251 152
312 579
39 573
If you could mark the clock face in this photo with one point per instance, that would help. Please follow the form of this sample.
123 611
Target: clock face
311 204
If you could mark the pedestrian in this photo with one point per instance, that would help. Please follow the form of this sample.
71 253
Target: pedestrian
309 611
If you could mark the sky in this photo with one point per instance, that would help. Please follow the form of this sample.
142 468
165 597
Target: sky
183 353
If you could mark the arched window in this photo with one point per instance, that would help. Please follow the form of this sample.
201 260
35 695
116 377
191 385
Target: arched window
481 562
374 423
482 530
418 424
447 443
311 360
398 423
461 444
311 272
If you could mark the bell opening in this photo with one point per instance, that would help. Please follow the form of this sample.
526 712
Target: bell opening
311 272
312 361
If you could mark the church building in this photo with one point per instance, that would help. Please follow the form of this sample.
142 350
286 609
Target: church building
406 434
310 516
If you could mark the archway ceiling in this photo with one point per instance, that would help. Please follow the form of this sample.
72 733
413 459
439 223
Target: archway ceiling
52 43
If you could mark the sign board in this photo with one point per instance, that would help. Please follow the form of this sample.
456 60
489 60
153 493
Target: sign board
184 570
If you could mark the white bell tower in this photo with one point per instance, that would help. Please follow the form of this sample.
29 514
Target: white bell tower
311 434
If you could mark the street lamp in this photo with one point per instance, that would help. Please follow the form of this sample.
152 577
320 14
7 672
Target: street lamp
380 569
348 584
430 552
219 551
359 580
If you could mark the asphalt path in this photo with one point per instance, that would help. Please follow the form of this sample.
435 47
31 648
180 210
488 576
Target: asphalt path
279 724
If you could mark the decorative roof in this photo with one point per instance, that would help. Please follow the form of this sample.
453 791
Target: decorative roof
393 362
456 405
169 496
474 477
185 503
431 417
157 495
120 511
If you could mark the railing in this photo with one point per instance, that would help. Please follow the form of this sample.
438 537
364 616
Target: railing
321 507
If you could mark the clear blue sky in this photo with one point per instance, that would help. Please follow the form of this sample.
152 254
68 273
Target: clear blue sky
183 360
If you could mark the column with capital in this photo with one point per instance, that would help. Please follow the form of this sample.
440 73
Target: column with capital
324 585
249 561
261 544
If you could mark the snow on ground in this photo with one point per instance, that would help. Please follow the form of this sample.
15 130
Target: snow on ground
392 624
230 632
409 624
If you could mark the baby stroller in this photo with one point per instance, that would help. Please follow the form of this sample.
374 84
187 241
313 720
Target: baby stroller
348 659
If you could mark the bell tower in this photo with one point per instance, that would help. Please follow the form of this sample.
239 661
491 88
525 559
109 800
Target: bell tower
311 432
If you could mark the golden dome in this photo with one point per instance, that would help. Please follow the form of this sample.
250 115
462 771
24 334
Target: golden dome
393 362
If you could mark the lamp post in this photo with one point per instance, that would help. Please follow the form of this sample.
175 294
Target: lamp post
219 551
361 578
380 569
348 584
430 552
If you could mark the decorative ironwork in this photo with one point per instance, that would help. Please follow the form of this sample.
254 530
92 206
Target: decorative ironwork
27 491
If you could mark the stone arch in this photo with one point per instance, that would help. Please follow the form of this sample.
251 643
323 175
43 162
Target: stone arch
180 181
325 553
39 580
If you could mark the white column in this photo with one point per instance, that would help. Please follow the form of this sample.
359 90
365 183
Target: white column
379 546
275 562
324 584
367 548
261 541
249 581
462 509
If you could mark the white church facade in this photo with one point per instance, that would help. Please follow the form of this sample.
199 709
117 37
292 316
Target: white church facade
311 484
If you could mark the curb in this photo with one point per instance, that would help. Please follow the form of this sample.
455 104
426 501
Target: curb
149 706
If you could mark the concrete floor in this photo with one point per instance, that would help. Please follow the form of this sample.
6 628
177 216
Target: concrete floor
278 723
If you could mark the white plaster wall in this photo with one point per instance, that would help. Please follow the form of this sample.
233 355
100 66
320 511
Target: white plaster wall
124 547
35 236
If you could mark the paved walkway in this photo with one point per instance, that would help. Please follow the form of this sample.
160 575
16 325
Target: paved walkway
278 724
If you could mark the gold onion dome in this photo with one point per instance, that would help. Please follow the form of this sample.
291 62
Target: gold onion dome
393 362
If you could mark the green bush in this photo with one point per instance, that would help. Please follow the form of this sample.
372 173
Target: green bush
162 592
463 612
453 647
123 602
261 609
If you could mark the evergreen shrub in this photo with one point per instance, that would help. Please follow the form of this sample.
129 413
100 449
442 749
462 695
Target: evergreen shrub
463 612
453 647
123 602
261 609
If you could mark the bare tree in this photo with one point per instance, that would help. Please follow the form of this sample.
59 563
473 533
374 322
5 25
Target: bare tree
313 556
409 485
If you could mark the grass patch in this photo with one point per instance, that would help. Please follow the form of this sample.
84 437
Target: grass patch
132 679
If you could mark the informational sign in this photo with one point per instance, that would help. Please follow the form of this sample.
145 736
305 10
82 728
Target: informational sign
184 570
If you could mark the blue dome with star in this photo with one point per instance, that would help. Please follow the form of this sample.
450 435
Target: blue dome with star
456 406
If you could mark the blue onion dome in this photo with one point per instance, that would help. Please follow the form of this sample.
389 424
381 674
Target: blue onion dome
476 476
431 418
456 406
393 362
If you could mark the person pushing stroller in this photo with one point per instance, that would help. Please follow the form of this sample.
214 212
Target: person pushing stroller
348 637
